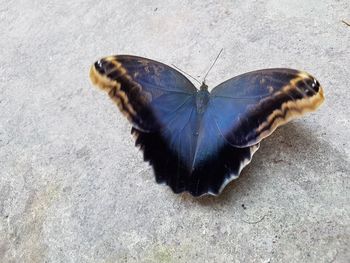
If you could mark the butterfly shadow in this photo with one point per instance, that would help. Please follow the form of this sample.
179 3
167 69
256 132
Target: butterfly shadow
292 146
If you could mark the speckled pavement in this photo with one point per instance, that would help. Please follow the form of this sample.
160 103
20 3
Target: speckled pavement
73 188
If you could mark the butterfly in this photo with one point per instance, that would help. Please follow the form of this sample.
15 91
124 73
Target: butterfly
198 141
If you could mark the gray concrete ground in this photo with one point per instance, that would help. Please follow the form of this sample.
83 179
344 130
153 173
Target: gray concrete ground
73 188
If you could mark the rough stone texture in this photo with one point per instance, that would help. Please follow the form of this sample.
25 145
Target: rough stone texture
73 188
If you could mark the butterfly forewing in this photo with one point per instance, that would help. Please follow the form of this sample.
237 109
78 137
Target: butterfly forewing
147 92
251 106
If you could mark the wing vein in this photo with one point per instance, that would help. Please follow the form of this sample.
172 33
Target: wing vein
177 108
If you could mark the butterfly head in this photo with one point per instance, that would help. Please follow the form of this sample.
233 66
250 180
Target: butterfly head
204 87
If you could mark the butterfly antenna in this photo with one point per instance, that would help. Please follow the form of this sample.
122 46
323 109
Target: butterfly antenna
212 65
186 74
346 23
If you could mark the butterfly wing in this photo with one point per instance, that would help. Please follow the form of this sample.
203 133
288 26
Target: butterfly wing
251 106
150 94
208 177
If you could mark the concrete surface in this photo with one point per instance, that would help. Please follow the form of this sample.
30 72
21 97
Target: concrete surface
73 188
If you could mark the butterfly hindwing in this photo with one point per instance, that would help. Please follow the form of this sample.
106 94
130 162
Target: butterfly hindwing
251 106
209 177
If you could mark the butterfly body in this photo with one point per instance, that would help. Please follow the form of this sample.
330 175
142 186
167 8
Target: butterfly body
202 99
196 140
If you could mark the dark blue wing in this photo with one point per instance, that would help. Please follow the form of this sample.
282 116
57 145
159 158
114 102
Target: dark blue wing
151 94
249 107
208 177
